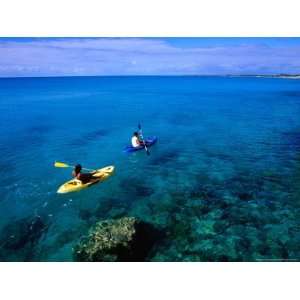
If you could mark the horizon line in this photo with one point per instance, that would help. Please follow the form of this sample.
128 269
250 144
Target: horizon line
170 75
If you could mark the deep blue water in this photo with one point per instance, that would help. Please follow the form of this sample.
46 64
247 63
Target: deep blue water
222 181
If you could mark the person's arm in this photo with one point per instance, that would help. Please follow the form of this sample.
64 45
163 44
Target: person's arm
77 176
141 140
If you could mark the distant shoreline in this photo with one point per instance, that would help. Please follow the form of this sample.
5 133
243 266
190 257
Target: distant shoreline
287 76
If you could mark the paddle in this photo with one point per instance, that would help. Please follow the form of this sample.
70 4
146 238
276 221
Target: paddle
141 135
58 164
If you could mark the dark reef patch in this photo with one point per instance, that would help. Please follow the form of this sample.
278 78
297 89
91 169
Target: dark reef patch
165 157
35 135
246 196
39 129
204 191
89 137
136 187
32 136
246 218
85 214
7 165
20 237
183 119
66 237
110 208
296 183
290 140
295 94
219 155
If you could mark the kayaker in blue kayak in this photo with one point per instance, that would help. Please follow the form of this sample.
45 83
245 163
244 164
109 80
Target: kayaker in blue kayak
136 140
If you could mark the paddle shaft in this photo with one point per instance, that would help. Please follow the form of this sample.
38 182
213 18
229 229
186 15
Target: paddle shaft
70 166
141 135
86 169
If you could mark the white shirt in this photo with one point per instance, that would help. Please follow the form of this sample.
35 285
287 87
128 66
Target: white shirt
135 141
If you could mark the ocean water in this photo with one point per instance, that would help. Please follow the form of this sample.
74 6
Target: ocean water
222 182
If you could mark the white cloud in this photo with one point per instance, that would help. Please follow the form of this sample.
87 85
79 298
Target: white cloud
136 56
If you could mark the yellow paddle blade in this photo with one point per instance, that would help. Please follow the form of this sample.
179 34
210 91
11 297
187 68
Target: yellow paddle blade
60 165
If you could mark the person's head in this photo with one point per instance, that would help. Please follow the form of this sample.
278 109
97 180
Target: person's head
136 134
77 168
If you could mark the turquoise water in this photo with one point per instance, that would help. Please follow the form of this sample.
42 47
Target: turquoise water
222 182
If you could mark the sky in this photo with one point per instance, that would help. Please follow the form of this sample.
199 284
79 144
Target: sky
43 57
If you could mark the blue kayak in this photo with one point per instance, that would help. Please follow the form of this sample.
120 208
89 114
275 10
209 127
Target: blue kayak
149 142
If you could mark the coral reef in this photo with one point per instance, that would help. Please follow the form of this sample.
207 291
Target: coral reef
125 239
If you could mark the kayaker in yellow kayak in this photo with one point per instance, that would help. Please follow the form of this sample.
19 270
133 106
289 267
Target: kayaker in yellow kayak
83 177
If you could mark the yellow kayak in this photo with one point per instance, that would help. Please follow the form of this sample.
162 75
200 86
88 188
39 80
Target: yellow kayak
75 185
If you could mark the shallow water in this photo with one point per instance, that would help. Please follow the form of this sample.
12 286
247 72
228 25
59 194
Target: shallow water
222 181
